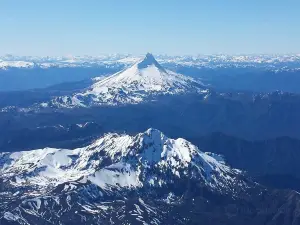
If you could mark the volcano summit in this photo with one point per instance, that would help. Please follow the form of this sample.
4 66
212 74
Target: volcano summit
143 81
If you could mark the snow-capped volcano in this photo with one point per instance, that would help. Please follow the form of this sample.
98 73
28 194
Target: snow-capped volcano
123 179
147 159
142 81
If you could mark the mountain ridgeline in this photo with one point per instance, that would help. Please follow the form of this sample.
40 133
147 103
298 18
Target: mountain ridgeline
148 145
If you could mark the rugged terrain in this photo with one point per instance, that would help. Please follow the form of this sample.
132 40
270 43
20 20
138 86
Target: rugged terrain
147 178
79 151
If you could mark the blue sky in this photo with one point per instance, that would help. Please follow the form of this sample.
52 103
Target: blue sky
93 27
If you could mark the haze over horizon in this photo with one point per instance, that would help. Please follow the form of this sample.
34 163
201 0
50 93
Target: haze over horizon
137 27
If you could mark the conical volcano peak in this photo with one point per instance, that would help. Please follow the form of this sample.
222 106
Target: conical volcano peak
143 81
149 60
149 57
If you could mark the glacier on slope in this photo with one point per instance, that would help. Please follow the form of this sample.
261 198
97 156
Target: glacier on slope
142 81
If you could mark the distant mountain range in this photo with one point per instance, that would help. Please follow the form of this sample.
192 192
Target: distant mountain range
156 97
260 73
272 62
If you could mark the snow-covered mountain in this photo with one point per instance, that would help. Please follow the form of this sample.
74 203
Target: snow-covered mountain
143 179
147 159
142 81
43 179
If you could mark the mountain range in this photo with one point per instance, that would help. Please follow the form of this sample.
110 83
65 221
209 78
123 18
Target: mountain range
261 73
83 152
210 61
